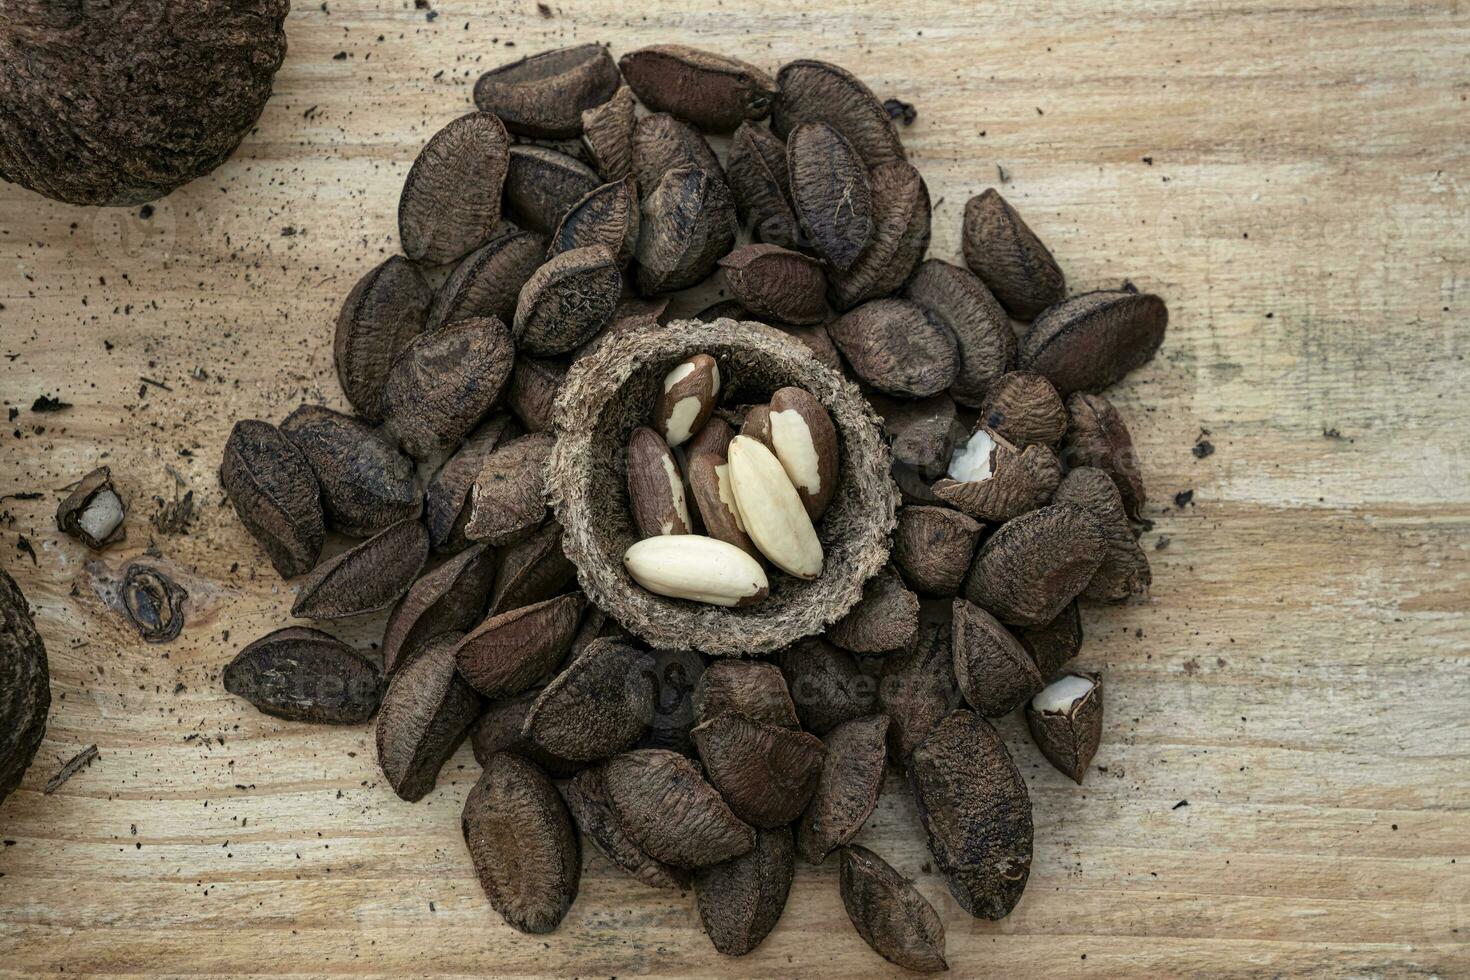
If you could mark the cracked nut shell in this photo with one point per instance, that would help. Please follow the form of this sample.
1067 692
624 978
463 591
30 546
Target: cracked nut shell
668 809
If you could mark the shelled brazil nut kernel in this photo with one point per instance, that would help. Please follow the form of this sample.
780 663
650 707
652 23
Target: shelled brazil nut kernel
568 211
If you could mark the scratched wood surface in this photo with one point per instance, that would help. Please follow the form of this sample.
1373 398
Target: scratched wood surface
1282 786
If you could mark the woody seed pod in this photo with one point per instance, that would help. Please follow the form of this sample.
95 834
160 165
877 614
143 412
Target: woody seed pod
275 493
815 91
521 841
93 512
450 598
1024 408
606 216
607 134
1035 564
366 577
973 804
776 282
424 716
766 773
597 706
588 801
711 91
983 337
306 675
897 347
366 483
889 913
451 198
542 184
830 193
510 652
885 618
1090 341
546 94
1066 719
741 900
933 547
507 501
993 670
668 809
848 790
444 382
567 300
381 315
487 282
1004 252
1097 436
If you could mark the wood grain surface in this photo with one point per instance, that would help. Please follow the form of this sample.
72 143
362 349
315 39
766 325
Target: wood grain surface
1282 787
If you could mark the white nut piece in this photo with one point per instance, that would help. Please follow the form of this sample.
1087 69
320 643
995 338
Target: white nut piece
692 566
771 509
687 399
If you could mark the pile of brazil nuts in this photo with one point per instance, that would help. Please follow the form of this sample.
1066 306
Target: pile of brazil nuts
579 201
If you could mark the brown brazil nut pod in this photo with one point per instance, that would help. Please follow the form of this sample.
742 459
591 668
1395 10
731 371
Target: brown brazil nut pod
671 812
830 192
586 797
889 913
994 672
25 686
545 95
487 282
897 347
510 652
749 688
688 222
450 203
760 180
848 790
777 283
448 496
366 577
366 483
451 597
933 548
815 91
606 216
521 841
916 688
902 215
826 685
424 716
1034 565
597 706
384 311
1006 254
973 804
712 91
276 495
741 900
1066 721
984 341
1090 341
766 773
1024 408
304 674
444 382
1097 436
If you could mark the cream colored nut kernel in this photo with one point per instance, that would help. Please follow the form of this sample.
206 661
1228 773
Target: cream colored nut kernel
772 511
692 566
687 399
805 441
655 487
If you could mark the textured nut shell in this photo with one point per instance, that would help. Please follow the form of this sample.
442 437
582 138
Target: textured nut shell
815 91
451 597
424 715
542 184
1053 645
450 203
366 577
499 729
88 490
534 383
741 900
1024 408
826 685
1090 341
749 688
606 216
897 347
380 316
711 91
761 183
567 301
120 103
1035 564
306 675
933 548
546 94
597 707
994 672
607 134
276 495
586 797
886 618
766 773
1004 252
917 687
921 433
444 382
1097 436
1020 481
889 913
508 500
447 498
521 841
687 223
848 790
902 216
662 143
1069 739
488 280
1124 570
532 570
25 686
776 282
985 343
510 652
671 812
607 395
366 483
973 804
830 192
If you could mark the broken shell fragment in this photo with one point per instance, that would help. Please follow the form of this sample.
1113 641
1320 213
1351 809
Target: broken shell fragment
1065 719
889 913
1003 251
993 671
973 804
521 841
93 513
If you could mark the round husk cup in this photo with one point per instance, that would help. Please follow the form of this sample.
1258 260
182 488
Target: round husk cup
612 391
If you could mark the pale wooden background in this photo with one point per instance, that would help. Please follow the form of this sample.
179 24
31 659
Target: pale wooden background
1299 674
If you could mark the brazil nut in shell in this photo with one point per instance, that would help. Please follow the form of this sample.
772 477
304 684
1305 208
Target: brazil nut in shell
304 674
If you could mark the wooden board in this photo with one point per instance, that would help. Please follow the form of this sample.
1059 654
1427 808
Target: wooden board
1282 786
